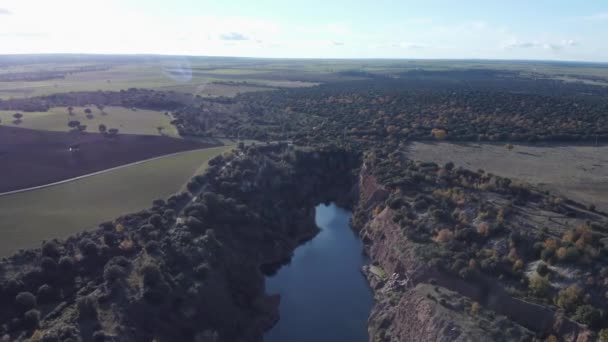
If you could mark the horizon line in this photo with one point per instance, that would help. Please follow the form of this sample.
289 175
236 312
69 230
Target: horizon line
92 54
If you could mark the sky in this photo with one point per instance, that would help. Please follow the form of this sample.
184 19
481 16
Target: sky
488 29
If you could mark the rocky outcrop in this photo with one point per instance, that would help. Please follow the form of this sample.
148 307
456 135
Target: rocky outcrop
409 305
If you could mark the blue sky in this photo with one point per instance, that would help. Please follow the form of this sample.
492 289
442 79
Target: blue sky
532 29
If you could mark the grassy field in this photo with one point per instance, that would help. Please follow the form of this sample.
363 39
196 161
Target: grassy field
195 73
578 172
126 120
27 218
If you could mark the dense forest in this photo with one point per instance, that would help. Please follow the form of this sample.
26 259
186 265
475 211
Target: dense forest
419 105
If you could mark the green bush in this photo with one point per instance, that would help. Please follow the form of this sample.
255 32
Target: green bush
542 269
569 298
26 300
539 286
589 315
31 319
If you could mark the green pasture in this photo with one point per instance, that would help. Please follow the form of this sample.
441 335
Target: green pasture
27 218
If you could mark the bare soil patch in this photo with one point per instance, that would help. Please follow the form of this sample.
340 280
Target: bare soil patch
31 158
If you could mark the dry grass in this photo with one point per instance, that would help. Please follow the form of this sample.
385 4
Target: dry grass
577 172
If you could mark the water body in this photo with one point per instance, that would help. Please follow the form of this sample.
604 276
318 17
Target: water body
324 296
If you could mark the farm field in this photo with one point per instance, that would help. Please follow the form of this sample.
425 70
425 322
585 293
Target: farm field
212 89
126 120
578 172
27 218
151 75
32 157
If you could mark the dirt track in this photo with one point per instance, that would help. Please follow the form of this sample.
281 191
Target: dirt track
30 158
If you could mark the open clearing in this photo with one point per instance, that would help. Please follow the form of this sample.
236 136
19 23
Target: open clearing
578 172
27 218
139 121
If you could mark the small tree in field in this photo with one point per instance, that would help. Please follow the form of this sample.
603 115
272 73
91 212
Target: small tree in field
103 129
113 132
73 124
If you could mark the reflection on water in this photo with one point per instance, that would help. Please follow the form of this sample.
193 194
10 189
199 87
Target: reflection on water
324 296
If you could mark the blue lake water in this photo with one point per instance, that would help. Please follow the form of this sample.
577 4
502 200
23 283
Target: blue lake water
324 296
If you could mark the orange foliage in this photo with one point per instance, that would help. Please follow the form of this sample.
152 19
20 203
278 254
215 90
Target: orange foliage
561 253
439 134
126 244
513 256
550 244
119 227
519 264
475 308
444 235
483 229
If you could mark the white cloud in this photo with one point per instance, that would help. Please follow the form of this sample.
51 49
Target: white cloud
334 43
405 45
233 36
4 11
555 46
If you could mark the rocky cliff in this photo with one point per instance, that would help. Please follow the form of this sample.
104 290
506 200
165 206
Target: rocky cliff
419 300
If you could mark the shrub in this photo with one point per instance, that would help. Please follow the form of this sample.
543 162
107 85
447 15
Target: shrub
86 307
169 214
51 249
567 254
158 203
66 264
88 247
26 300
603 335
542 269
518 265
539 286
194 224
444 235
475 308
110 239
202 271
152 247
31 319
589 315
156 220
113 273
547 254
48 265
45 293
569 298
151 274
